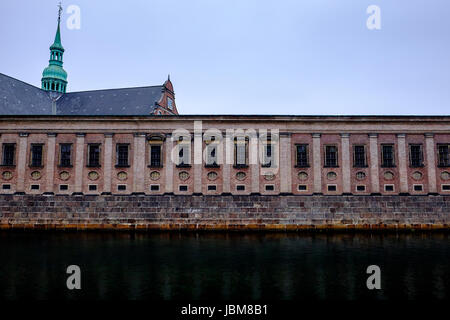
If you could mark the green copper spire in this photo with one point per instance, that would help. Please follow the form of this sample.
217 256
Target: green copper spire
54 77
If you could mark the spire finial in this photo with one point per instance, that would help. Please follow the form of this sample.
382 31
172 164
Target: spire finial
168 77
59 11
54 77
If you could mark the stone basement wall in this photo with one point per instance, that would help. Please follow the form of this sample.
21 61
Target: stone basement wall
223 212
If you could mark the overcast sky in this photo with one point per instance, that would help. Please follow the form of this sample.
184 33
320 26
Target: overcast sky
245 56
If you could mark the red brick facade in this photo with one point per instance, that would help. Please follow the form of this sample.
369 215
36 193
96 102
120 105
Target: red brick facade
139 177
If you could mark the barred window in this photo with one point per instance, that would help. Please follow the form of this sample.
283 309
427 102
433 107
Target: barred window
387 155
36 155
211 154
302 155
267 156
240 152
183 154
415 155
359 156
122 155
93 155
9 150
65 155
155 156
444 159
331 156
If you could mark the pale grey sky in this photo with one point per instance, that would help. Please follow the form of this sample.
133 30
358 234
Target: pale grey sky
245 56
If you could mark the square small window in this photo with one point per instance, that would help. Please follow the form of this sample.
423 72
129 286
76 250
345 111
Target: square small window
6 187
121 187
154 187
34 187
418 187
183 188
212 188
92 187
446 187
331 187
361 188
240 187
388 187
269 187
302 187
63 187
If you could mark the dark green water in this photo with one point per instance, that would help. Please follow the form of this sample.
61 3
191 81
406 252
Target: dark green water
224 266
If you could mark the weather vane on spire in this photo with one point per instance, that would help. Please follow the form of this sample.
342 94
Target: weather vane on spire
59 11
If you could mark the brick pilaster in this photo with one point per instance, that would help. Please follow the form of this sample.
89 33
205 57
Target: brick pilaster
374 171
346 181
317 164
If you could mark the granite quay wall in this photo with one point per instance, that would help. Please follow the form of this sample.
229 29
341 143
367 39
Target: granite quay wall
223 212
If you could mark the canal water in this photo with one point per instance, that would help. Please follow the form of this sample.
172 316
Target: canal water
224 266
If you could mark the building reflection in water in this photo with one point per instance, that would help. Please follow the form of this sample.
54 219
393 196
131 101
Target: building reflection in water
249 266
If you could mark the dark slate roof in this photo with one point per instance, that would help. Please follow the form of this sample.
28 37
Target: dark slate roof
20 98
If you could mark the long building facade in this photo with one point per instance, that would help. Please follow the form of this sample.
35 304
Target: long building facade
225 154
132 141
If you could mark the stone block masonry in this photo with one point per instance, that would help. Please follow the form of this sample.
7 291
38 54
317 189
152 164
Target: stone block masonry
223 212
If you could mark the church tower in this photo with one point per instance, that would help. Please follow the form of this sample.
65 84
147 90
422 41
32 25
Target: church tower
54 77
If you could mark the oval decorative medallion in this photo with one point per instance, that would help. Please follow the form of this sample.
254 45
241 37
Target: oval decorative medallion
64 175
388 175
155 175
240 175
35 175
184 175
269 176
302 176
360 175
93 175
417 175
212 175
445 175
7 175
122 175
331 175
